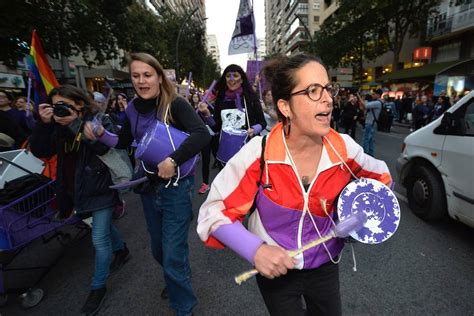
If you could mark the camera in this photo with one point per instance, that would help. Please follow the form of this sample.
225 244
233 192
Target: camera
61 109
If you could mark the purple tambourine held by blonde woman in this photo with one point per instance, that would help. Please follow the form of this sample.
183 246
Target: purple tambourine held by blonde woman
159 141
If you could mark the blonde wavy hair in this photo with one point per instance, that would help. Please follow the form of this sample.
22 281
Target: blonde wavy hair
167 90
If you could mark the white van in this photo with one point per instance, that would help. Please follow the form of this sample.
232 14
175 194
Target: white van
437 165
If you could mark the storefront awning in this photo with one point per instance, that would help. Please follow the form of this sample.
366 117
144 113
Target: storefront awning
105 73
429 70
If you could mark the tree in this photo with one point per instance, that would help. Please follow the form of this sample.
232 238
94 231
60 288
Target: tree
98 29
404 17
65 28
366 29
210 71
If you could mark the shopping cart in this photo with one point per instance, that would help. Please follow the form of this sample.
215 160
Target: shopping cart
24 220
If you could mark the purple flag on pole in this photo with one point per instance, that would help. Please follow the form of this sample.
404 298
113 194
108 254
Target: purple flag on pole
243 38
253 68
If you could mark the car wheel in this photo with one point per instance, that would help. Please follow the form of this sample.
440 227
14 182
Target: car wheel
426 194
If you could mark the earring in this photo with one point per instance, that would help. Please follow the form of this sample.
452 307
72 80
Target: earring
287 127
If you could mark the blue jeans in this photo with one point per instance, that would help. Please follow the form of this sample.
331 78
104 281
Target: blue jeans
168 213
106 239
368 144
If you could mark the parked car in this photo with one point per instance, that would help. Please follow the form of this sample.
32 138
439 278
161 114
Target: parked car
437 165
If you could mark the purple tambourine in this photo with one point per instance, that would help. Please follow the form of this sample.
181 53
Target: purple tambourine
160 141
378 202
230 143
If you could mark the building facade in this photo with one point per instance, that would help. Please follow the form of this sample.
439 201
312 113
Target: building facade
444 61
183 7
261 50
213 48
292 24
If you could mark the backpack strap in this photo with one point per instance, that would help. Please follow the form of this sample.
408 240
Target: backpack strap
373 112
262 160
259 182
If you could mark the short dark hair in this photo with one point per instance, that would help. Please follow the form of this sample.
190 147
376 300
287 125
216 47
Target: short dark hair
280 72
75 94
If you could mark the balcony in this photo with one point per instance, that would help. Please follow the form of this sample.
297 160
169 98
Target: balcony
459 21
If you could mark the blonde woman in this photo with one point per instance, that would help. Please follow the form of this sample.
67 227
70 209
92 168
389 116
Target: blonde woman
168 209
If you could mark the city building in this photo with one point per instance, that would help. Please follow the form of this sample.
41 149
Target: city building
445 62
213 48
182 7
261 50
291 24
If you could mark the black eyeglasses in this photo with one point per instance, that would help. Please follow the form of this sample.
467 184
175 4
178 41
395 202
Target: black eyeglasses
315 91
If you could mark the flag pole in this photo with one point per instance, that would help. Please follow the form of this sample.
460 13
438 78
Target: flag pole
28 93
256 54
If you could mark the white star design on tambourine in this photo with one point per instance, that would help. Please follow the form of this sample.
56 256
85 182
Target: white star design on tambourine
378 202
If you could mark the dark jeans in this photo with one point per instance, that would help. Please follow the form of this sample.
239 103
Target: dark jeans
319 288
351 130
168 214
369 141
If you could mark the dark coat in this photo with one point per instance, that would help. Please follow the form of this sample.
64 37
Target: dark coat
87 188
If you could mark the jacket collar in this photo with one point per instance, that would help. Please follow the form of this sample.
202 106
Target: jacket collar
275 148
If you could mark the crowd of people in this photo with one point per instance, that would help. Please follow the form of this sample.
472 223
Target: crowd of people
377 111
282 162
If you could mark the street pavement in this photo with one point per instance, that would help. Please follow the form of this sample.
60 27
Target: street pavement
424 269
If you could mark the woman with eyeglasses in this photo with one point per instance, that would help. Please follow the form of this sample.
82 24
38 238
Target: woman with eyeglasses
238 115
83 180
294 178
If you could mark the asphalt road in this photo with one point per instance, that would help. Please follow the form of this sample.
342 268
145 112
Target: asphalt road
425 268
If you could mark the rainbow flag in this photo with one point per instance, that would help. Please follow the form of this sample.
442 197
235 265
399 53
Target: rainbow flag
40 70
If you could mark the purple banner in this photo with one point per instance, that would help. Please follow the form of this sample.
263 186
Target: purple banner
253 66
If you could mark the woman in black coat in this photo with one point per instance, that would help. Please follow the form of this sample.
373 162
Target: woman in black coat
83 180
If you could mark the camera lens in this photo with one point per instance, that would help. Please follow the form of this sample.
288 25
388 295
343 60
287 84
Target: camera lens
61 109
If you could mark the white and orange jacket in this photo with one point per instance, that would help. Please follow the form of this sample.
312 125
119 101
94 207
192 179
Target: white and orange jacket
287 215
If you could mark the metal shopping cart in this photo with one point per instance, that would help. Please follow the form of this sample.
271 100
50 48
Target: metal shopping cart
26 219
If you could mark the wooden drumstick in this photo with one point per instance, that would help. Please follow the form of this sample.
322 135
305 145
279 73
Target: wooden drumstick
342 230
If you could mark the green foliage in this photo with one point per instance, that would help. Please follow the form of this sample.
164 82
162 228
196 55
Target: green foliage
99 29
65 27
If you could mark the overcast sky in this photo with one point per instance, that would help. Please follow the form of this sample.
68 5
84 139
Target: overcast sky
221 22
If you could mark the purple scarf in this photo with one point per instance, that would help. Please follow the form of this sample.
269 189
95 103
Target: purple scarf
235 96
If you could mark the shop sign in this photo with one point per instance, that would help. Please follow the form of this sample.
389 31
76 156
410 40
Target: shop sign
11 81
421 53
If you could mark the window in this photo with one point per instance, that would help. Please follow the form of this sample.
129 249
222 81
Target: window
469 119
316 18
448 52
316 6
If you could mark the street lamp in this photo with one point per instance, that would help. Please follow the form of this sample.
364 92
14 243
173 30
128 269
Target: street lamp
177 40
307 32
